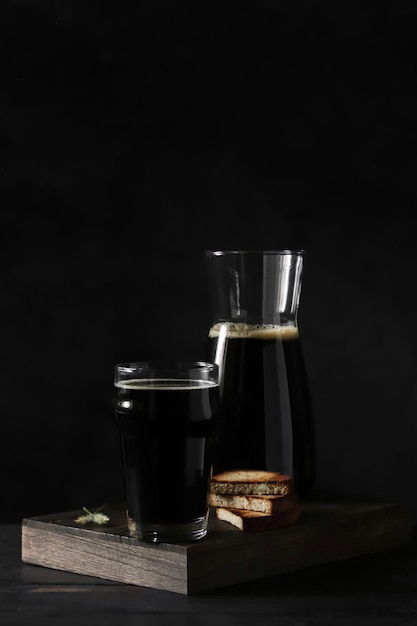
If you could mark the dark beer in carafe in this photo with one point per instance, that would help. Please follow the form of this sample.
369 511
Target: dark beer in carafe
266 417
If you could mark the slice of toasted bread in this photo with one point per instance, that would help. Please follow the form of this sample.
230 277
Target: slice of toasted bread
263 504
252 482
254 521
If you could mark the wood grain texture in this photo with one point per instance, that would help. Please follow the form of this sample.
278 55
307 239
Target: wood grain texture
327 531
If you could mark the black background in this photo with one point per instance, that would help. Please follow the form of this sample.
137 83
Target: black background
133 139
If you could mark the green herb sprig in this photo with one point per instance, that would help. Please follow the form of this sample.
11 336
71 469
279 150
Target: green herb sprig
93 517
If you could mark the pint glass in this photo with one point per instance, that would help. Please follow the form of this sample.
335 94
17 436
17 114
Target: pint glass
166 415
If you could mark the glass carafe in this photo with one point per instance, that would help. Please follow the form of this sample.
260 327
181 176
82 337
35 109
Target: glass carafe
266 414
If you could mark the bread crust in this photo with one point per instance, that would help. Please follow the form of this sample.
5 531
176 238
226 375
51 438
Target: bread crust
251 482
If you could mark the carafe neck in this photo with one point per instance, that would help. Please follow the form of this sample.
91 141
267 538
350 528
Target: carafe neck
260 288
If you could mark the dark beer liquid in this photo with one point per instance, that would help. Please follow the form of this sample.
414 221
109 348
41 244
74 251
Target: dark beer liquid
167 437
266 416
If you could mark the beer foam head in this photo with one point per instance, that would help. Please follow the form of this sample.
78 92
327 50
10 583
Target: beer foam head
164 384
236 330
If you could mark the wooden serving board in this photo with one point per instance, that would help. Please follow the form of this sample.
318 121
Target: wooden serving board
328 530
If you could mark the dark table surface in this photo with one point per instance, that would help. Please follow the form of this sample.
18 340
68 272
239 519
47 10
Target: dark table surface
378 589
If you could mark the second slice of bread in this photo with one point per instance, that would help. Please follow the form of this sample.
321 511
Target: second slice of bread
263 504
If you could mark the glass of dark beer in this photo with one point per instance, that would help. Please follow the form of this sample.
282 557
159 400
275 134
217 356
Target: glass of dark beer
266 417
166 413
